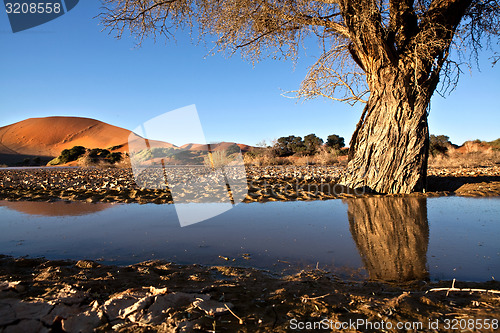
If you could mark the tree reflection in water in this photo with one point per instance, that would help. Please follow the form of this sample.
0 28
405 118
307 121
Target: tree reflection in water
392 235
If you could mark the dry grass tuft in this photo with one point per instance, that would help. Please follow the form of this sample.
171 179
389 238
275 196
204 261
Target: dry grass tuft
469 159
266 157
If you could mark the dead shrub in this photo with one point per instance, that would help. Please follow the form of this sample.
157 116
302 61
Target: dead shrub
470 159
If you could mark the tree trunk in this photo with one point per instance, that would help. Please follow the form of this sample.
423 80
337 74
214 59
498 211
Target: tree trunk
389 148
392 235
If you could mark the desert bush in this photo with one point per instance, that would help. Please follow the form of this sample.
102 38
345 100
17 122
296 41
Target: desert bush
98 153
68 155
495 144
115 147
162 152
266 158
344 152
217 159
261 156
312 143
326 156
124 163
115 157
314 153
86 157
289 145
188 157
233 149
260 160
335 142
438 144
454 159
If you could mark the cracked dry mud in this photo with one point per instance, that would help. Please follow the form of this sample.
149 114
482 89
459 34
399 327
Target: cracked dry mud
38 295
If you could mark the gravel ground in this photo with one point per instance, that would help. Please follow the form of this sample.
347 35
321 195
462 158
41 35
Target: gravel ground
276 183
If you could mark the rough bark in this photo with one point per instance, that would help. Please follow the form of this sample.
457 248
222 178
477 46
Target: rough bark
389 149
392 235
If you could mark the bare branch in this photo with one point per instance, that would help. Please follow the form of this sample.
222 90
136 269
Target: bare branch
329 78
412 36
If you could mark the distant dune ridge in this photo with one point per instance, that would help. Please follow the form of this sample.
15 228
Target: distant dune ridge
47 137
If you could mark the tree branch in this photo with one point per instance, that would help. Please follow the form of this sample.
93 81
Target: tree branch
402 22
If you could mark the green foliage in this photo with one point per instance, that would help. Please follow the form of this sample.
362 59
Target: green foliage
286 146
335 142
260 152
438 144
184 155
115 157
219 159
312 143
115 147
343 152
94 155
233 149
495 144
68 155
254 152
162 152
188 156
97 154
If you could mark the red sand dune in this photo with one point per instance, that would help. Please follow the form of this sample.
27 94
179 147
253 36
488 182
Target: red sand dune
215 146
49 136
471 146
58 208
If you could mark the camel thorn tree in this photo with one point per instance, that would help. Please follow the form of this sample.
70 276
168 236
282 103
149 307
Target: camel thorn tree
389 54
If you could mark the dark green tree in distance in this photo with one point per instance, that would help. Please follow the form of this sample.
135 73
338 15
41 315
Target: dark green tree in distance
312 143
439 144
335 142
289 145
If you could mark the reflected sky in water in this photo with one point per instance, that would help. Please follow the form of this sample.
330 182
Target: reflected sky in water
380 238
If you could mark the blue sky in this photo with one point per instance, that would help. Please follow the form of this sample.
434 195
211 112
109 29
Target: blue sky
69 67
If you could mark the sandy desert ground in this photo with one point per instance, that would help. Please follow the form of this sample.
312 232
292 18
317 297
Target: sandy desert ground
264 184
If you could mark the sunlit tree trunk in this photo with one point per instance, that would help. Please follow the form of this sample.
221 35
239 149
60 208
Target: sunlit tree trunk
389 149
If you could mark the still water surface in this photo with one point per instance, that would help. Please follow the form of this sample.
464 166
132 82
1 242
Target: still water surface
379 238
